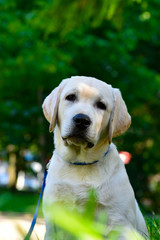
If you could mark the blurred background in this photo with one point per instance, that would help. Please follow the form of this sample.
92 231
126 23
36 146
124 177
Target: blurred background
45 41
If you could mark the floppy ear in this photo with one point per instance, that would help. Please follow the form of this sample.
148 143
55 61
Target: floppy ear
50 107
120 119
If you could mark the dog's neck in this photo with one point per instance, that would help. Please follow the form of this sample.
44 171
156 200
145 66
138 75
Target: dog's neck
90 163
80 155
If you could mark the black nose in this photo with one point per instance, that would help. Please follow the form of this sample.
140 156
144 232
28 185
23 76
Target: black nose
81 121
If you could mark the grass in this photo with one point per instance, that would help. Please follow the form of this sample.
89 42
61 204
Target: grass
25 202
153 224
82 227
19 202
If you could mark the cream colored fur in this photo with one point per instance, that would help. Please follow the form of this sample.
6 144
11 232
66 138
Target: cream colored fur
70 183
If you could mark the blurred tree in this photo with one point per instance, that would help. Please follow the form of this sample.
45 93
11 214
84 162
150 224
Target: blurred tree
42 42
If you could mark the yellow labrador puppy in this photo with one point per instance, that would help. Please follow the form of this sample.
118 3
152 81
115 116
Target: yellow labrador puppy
85 114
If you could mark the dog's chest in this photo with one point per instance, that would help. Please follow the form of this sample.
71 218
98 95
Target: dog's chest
74 182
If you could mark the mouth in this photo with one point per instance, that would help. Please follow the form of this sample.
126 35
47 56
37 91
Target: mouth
77 141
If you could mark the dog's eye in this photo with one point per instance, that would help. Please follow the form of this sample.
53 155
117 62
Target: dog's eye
71 97
101 105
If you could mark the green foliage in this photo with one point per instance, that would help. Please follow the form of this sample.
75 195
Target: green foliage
21 202
42 42
84 222
76 225
153 224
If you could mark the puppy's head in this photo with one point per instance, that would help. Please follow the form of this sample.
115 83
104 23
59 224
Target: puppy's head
86 110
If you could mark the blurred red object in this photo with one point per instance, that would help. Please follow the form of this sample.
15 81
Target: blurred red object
125 156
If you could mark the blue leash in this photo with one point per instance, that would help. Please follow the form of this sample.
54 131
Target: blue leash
36 212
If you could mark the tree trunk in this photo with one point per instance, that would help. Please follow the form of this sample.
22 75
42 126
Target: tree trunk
12 171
